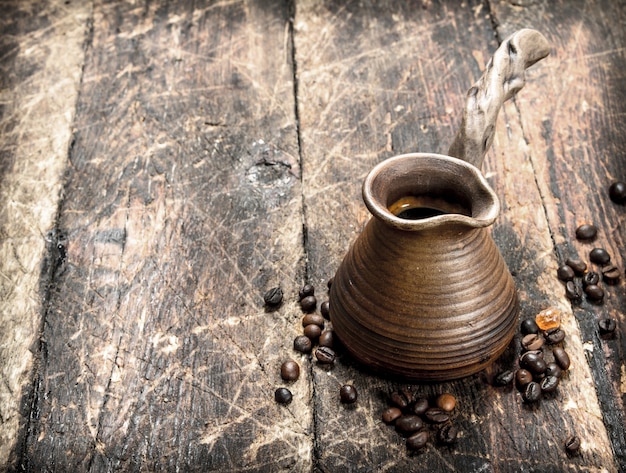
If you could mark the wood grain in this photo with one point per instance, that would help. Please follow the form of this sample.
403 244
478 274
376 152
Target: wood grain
39 81
395 85
182 206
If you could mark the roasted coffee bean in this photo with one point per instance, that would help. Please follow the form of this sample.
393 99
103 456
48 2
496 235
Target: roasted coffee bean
446 402
326 339
314 319
573 291
436 415
599 256
572 445
505 378
391 414
408 424
532 392
586 231
273 297
607 326
529 326
325 309
417 441
308 303
283 396
420 406
591 278
594 293
534 364
617 192
398 399
554 336
307 290
447 434
348 394
577 265
303 344
290 370
549 384
565 273
561 358
523 377
532 341
312 331
552 369
610 274
325 355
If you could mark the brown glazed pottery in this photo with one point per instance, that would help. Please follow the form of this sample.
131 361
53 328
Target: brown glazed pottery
423 294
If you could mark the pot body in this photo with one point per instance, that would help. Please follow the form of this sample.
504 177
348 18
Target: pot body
429 299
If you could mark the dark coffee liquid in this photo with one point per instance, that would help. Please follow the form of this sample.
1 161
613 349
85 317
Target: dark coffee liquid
418 213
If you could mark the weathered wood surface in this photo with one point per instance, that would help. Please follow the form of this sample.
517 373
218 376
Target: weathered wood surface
194 161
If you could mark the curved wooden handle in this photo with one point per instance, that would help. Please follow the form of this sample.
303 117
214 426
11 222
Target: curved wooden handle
502 79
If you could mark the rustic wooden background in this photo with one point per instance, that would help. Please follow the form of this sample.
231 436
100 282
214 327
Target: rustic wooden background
162 164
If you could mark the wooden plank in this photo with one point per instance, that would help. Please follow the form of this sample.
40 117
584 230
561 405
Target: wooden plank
579 150
41 58
182 206
383 79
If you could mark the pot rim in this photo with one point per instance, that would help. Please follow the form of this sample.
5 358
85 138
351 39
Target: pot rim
483 213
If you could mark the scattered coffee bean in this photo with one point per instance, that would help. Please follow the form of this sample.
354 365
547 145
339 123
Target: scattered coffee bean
577 265
533 362
529 326
554 336
549 384
307 290
446 402
532 392
348 394
617 192
314 319
447 434
565 273
325 355
326 339
595 293
312 331
273 297
408 424
417 441
573 291
532 341
399 400
325 309
283 396
505 378
591 278
523 377
436 415
290 370
607 326
610 274
308 303
420 406
552 369
302 344
572 445
561 358
548 318
599 256
391 414
586 231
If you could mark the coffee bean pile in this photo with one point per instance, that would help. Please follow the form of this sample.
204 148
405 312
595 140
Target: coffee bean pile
543 359
421 420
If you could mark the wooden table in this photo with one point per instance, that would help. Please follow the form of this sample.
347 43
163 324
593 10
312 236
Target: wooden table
163 164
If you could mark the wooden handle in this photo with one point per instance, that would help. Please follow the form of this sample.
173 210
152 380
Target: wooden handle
502 79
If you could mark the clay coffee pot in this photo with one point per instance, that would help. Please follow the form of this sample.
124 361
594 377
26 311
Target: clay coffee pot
423 294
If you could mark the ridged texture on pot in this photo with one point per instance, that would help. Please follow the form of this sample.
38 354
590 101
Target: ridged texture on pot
430 305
